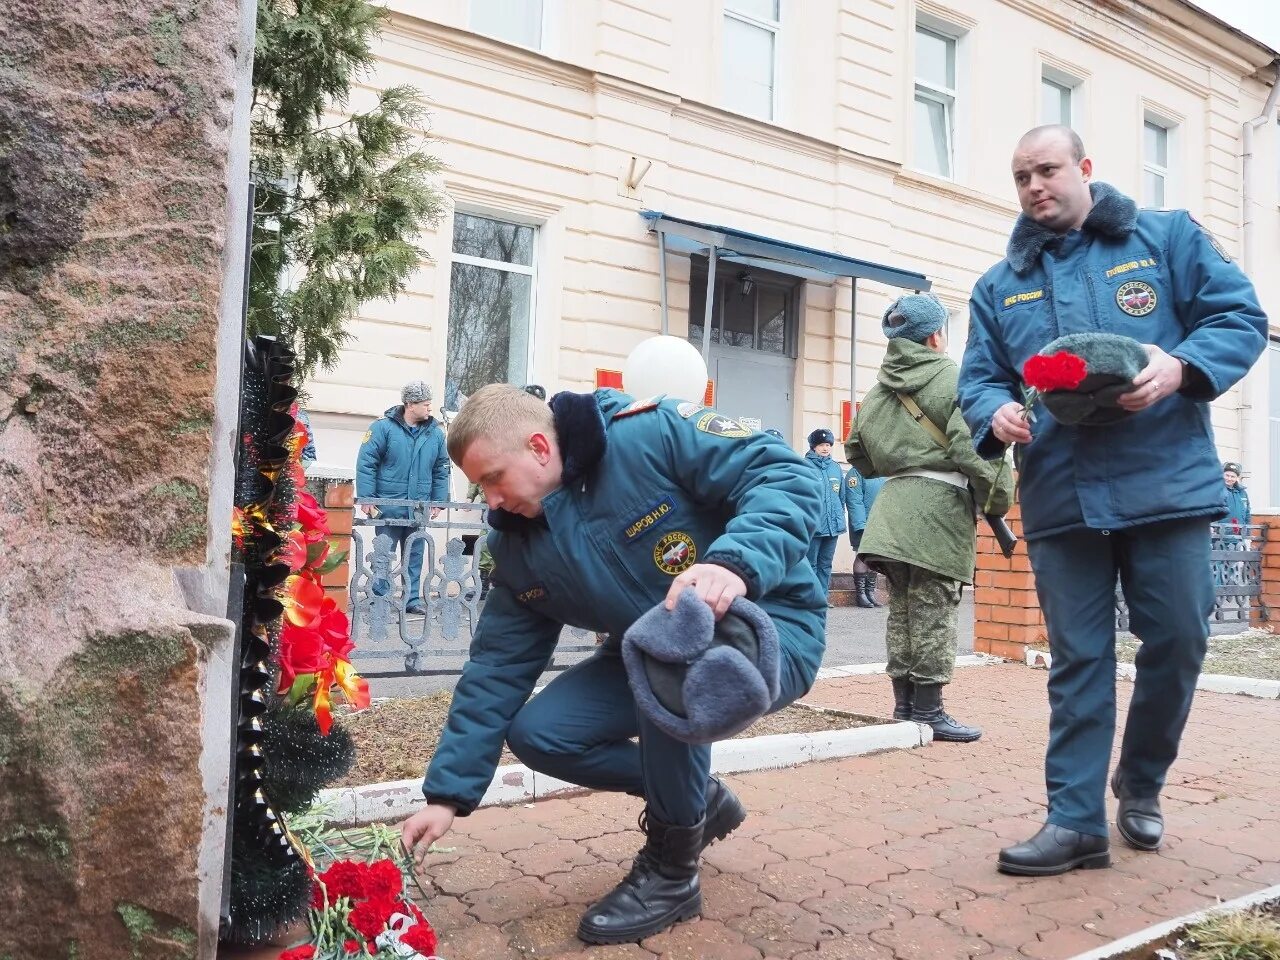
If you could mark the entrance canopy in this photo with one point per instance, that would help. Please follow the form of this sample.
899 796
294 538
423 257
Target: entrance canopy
740 248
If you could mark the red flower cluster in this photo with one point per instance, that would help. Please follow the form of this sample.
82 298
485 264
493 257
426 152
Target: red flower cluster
369 894
1060 371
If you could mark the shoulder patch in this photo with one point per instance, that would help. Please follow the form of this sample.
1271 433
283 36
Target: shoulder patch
1213 241
368 434
721 426
640 406
852 481
688 408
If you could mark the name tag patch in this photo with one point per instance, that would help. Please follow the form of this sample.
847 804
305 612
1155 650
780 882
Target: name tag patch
660 512
530 594
1026 297
1120 268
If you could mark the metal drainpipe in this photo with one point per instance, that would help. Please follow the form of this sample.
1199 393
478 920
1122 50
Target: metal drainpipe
1248 389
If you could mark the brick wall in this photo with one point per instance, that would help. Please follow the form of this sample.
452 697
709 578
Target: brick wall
336 496
1270 572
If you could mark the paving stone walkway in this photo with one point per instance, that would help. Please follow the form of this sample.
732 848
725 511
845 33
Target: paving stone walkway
884 857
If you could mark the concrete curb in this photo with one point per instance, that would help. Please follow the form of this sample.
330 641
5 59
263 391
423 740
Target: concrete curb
516 783
864 669
1209 682
1144 937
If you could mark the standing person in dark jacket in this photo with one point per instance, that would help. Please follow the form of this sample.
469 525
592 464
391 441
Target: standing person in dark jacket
1131 497
403 457
859 495
1239 516
922 533
602 508
831 512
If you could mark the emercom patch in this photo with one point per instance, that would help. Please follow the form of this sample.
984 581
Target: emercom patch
1136 298
658 513
720 426
675 553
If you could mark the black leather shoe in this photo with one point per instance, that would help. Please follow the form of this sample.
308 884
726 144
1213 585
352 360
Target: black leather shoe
662 888
417 608
725 813
1055 850
1139 819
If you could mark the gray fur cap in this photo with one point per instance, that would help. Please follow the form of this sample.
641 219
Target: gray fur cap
1111 362
915 316
415 391
698 680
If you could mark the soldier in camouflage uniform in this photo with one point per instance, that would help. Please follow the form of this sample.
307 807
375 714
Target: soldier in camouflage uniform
921 535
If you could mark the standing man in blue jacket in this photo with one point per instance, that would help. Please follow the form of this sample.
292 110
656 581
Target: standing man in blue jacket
859 495
403 457
1131 498
831 511
601 508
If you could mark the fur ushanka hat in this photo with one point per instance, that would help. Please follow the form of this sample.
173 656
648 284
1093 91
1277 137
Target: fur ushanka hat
1111 363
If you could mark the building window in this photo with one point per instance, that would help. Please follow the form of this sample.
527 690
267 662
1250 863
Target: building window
935 102
515 21
749 66
1055 102
1155 164
753 309
491 296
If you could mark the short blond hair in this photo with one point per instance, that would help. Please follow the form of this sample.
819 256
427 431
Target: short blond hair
503 413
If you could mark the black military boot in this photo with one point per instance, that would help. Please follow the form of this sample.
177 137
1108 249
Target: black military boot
1139 819
904 692
1055 850
725 813
927 708
860 591
661 890
871 590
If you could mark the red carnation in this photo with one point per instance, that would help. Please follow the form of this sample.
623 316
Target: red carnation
383 881
421 938
1060 371
370 917
353 946
345 879
317 897
304 952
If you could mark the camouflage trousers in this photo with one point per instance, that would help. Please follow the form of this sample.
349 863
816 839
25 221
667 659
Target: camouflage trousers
921 630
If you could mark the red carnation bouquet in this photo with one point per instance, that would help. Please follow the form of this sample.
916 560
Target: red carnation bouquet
1043 374
361 911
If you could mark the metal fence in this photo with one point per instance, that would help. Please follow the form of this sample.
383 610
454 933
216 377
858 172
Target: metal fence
1235 557
390 641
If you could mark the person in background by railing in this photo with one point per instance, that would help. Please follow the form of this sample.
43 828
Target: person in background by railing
1238 513
831 513
403 457
859 495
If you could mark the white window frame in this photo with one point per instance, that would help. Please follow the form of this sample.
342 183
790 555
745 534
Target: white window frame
948 97
774 27
540 47
1167 172
531 271
1071 84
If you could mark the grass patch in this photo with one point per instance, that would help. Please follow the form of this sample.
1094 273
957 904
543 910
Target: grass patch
1253 653
396 738
1246 935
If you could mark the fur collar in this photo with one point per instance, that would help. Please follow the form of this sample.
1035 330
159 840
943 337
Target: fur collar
580 432
1113 215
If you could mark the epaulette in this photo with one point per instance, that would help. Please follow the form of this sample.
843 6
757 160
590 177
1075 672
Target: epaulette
640 406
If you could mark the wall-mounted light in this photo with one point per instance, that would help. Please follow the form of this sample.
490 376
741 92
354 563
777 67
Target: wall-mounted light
745 283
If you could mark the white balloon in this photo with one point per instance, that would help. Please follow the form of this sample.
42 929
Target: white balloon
665 365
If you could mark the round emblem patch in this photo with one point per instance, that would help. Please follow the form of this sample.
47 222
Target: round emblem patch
1136 298
675 553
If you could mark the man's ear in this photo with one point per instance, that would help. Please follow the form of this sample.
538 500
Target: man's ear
1086 169
540 444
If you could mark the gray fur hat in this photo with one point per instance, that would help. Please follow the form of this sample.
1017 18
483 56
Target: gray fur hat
415 391
697 679
915 316
1111 361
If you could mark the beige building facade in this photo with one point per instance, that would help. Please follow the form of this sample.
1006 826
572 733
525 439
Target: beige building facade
875 132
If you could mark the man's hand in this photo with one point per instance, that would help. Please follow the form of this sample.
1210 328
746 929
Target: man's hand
1009 426
424 828
1160 378
716 586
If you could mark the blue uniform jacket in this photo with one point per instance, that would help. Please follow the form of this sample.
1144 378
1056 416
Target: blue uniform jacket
830 514
1153 275
1238 514
399 465
643 497
859 495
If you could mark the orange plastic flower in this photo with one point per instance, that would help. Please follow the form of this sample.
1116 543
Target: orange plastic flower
302 600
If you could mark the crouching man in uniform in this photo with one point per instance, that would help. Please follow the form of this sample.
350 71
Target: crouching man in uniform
601 509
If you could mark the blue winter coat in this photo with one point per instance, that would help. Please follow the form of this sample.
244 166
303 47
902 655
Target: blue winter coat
1238 513
859 495
400 465
1153 275
830 515
645 495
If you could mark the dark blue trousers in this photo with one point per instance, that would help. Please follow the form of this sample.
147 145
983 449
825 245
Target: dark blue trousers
821 552
412 563
1168 585
580 729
